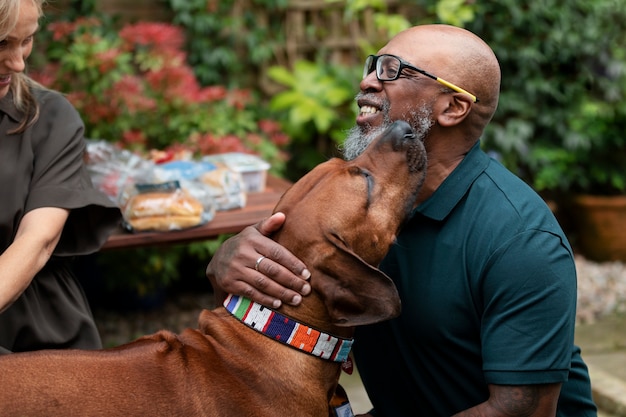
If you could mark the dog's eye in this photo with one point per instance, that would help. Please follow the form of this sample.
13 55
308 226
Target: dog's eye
369 180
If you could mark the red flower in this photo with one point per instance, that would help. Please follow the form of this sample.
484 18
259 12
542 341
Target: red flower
108 60
212 93
269 126
61 30
280 139
128 95
133 137
174 82
162 36
209 144
239 98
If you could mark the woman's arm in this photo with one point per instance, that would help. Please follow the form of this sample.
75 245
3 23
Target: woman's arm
37 236
281 277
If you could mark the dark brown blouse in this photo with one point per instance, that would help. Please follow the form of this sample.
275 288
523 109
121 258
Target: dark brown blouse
43 167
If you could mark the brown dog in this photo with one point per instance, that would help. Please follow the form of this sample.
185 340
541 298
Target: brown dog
341 219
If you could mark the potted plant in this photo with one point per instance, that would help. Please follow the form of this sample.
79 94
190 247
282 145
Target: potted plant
597 173
587 173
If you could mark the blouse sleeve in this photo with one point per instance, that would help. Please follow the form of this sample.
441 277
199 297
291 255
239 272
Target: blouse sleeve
60 178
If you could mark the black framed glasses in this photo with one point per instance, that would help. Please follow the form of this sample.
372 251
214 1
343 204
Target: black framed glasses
389 68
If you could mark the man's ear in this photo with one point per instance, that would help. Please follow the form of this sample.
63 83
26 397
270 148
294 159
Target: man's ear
355 292
456 108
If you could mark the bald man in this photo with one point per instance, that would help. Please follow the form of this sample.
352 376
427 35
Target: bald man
486 275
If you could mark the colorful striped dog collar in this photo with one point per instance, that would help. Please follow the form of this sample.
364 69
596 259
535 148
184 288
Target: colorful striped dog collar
288 331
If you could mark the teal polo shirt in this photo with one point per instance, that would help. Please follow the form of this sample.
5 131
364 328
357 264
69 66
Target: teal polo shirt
488 287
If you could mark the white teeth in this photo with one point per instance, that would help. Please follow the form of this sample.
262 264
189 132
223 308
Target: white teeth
368 110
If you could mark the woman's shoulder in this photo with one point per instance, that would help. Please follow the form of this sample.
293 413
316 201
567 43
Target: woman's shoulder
50 98
56 110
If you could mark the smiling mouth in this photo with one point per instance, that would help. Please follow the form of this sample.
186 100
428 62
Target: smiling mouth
368 110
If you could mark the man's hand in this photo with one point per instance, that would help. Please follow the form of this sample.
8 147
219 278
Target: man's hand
254 266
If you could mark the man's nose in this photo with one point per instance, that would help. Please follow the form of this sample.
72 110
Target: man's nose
371 83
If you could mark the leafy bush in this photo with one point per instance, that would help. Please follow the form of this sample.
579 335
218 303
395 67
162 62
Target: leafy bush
318 107
134 87
227 42
561 116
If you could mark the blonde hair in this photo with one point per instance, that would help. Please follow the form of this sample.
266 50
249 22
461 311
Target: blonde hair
21 84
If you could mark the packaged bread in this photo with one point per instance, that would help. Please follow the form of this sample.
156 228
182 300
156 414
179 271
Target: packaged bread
162 207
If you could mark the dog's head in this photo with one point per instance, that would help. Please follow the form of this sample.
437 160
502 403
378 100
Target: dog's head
343 216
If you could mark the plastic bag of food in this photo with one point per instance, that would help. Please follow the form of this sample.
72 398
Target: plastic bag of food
113 169
163 207
226 187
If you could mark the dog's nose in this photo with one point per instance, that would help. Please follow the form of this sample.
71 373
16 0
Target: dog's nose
403 129
402 138
399 133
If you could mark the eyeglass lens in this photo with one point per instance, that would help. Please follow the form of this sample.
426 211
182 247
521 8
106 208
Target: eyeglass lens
369 65
387 67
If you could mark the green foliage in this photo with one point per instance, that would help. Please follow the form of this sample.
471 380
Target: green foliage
317 100
229 48
134 87
317 103
455 12
388 24
314 95
142 270
561 116
145 271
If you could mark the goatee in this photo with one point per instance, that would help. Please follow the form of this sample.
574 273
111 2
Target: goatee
358 138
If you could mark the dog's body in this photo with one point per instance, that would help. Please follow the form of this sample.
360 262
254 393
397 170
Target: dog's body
341 219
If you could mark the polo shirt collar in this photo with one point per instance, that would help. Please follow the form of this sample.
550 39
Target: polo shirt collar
452 190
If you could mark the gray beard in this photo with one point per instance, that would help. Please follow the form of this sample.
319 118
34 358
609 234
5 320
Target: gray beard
357 140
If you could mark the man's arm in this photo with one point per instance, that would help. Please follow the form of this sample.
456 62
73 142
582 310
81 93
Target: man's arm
517 401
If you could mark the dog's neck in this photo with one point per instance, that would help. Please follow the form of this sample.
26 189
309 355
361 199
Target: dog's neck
288 331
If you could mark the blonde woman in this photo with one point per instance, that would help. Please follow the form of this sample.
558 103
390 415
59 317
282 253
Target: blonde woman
49 210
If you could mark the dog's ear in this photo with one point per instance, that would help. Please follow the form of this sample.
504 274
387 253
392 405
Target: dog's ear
355 292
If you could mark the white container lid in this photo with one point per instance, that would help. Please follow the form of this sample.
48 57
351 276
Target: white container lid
239 162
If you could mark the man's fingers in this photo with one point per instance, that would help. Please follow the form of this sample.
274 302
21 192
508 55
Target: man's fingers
271 224
272 278
253 265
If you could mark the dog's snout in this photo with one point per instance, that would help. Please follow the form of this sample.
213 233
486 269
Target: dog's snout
401 138
400 131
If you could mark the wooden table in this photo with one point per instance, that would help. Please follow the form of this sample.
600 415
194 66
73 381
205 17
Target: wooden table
258 207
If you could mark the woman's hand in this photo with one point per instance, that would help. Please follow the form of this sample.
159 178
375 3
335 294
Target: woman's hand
254 266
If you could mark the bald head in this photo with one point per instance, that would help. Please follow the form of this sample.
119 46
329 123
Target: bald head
458 56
